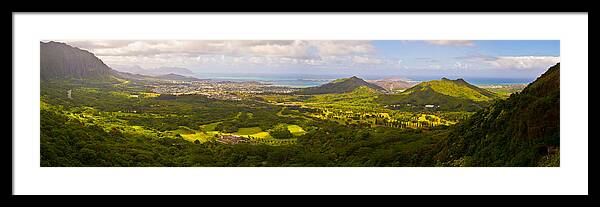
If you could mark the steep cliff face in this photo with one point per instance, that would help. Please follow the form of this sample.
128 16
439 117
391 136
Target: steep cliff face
59 60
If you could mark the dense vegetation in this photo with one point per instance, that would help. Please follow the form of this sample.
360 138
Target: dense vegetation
280 132
68 141
522 130
103 125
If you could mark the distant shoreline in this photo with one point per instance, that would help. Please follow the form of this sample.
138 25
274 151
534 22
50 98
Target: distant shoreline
304 81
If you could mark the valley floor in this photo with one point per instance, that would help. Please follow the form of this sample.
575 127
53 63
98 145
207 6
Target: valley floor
126 124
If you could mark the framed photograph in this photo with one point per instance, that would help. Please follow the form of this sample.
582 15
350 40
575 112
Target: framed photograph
300 103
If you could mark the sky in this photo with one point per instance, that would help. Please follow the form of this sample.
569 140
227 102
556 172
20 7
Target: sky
401 58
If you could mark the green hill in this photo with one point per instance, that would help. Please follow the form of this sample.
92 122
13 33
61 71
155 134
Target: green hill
522 130
455 88
444 94
342 85
362 95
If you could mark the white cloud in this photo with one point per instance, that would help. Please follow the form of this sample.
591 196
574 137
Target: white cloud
280 48
366 60
230 52
333 48
98 43
329 53
451 42
296 49
523 62
478 62
210 59
461 65
435 66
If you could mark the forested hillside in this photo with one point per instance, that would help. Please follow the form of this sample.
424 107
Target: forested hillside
522 130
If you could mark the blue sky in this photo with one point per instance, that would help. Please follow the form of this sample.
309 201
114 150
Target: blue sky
483 58
412 58
415 49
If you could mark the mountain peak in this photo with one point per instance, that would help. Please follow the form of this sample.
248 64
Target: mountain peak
60 60
342 85
391 83
460 80
458 88
176 77
547 83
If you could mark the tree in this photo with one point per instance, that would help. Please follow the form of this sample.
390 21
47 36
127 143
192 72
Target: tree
280 132
363 135
227 127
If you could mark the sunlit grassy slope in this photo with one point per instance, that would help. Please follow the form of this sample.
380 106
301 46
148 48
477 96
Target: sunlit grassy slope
444 94
360 97
342 85
454 88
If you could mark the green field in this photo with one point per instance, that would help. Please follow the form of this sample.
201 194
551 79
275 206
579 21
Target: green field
208 133
296 130
248 131
209 127
254 132
200 136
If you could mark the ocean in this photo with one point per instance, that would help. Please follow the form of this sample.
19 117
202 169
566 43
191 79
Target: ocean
297 81
304 80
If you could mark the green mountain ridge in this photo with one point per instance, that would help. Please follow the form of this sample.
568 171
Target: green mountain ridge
342 85
522 130
445 94
458 88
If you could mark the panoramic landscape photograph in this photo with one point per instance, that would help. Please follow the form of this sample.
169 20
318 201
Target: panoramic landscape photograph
299 103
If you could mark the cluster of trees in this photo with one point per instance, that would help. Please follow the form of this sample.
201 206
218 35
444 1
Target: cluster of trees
280 132
416 101
227 127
